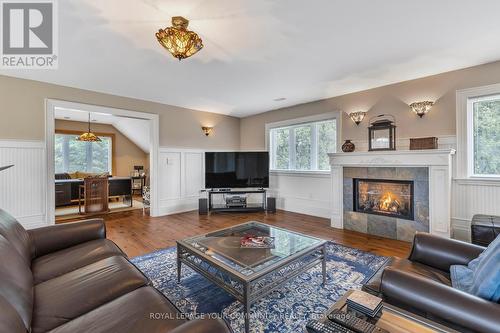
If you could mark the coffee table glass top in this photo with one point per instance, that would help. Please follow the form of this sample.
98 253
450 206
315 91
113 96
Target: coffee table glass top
223 246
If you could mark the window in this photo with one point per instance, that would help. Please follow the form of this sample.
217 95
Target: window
303 146
71 155
485 135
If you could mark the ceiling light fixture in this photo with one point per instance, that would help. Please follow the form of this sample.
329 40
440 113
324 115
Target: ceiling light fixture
179 41
88 136
421 108
357 116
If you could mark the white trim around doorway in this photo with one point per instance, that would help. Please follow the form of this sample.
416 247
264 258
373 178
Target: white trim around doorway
52 104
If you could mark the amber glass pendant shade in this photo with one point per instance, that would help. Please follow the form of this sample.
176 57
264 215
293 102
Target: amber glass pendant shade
179 41
88 136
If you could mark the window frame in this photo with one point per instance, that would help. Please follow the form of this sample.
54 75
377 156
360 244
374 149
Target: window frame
298 122
112 136
465 100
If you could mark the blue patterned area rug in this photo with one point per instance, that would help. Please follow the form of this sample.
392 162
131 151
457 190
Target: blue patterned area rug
286 309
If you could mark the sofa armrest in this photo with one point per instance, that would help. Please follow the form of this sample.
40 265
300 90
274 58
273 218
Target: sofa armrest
441 301
205 325
441 253
60 236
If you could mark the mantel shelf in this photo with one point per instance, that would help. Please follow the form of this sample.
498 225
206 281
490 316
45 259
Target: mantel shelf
397 152
396 158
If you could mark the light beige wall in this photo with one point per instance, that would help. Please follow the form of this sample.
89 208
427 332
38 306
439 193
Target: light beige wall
393 99
23 115
126 153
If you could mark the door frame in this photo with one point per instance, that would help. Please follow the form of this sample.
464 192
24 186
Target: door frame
154 139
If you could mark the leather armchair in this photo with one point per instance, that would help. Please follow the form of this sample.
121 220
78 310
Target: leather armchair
421 284
441 301
441 253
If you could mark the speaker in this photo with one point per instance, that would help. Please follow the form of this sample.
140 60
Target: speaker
271 205
203 206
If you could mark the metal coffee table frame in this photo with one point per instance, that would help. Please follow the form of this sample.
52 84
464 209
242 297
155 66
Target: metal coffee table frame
249 288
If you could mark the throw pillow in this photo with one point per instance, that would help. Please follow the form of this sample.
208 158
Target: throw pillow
486 280
481 277
493 245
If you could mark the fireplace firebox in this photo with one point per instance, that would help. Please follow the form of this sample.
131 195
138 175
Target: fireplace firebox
385 197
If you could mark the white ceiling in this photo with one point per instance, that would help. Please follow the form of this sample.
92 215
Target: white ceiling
261 50
136 130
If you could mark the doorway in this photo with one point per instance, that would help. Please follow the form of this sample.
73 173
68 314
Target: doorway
142 130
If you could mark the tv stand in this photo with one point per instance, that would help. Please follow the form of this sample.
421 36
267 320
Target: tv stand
252 207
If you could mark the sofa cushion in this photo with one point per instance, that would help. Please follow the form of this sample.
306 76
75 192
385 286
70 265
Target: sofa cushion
129 313
61 262
16 281
61 299
405 265
10 321
15 233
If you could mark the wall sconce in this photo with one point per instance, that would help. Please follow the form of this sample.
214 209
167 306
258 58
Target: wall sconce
207 130
421 108
357 117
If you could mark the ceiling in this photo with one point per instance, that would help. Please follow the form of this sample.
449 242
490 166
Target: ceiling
262 50
136 130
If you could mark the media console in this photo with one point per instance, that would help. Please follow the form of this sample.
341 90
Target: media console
236 205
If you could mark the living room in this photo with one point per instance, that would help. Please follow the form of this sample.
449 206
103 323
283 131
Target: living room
340 186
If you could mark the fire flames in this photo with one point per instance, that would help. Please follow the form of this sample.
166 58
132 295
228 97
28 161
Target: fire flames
389 203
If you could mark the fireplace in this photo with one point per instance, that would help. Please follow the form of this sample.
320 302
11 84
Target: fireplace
384 197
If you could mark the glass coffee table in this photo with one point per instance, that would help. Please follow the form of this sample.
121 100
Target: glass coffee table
250 273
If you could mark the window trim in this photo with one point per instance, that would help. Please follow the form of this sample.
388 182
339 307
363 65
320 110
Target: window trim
335 115
465 135
109 135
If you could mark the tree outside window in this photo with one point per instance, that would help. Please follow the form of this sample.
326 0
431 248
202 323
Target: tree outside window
71 155
486 136
303 147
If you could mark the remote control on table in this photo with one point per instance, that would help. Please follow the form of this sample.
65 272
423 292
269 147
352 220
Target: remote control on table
314 326
354 323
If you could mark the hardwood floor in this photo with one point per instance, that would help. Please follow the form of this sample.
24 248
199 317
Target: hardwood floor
138 234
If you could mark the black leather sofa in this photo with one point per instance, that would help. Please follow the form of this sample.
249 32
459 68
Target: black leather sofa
421 284
70 278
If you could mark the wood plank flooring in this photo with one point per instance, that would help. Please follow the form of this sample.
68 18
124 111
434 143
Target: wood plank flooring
137 234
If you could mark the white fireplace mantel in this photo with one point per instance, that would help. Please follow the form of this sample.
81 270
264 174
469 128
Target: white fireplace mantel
439 162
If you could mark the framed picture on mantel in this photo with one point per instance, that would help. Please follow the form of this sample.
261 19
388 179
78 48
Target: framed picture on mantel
382 133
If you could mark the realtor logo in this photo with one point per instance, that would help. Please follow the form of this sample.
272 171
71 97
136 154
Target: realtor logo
29 34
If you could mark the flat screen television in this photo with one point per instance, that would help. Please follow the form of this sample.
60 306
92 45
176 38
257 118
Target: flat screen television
236 169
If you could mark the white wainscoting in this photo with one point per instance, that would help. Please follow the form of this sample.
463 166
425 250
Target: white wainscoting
181 177
23 186
472 197
302 192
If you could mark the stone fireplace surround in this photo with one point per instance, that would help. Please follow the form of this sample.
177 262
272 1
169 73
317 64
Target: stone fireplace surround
434 165
387 226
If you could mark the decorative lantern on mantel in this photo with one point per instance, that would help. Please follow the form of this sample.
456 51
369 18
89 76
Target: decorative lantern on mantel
382 133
